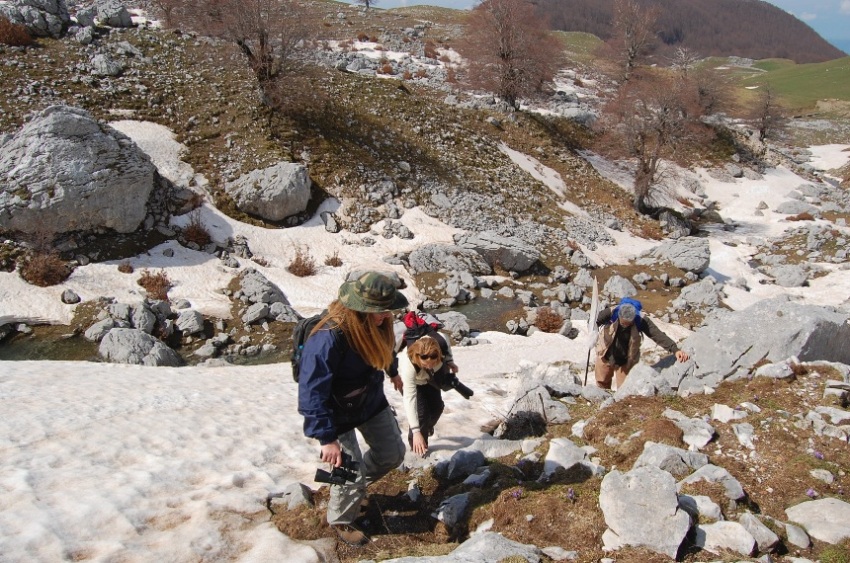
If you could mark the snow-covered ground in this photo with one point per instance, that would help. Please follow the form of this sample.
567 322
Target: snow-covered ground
110 462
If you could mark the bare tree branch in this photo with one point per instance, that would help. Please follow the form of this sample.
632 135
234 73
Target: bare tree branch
510 50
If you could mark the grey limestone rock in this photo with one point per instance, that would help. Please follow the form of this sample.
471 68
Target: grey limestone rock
730 344
724 536
273 193
826 519
442 257
690 254
43 18
190 321
256 288
65 170
641 509
675 461
483 547
112 13
131 346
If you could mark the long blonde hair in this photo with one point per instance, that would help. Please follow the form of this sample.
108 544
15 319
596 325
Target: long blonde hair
425 346
375 344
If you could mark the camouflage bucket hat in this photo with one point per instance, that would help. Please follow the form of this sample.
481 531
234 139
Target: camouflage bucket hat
371 293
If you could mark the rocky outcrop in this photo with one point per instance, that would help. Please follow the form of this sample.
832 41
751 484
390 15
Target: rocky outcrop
509 253
43 18
443 257
131 346
731 344
641 509
64 171
273 193
688 253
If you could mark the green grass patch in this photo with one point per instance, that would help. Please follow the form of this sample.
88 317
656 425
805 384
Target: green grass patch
801 86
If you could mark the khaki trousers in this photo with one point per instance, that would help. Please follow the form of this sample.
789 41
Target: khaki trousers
606 372
386 452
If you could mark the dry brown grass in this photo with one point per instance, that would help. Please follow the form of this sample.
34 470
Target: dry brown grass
44 269
565 510
303 265
548 320
334 261
195 230
125 267
156 284
14 34
804 216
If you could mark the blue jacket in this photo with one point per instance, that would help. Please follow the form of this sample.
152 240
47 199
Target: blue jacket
330 370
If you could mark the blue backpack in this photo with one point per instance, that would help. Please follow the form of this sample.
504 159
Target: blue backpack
634 303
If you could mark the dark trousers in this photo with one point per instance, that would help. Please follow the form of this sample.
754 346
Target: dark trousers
429 407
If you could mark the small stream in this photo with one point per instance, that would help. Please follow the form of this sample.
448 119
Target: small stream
56 343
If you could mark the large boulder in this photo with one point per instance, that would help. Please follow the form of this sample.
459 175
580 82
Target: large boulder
132 346
444 257
641 509
112 13
273 193
688 253
509 253
43 18
730 345
64 171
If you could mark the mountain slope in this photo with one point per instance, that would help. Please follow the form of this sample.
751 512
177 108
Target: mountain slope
745 28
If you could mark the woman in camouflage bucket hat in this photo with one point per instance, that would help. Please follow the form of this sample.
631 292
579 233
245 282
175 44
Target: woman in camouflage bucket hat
341 389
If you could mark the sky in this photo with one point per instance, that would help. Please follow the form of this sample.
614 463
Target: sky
829 18
108 462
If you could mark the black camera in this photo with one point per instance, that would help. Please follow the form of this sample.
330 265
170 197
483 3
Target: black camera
339 475
455 384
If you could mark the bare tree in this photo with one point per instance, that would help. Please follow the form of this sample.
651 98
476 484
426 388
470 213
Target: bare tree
270 34
367 3
510 50
634 34
683 60
768 116
651 119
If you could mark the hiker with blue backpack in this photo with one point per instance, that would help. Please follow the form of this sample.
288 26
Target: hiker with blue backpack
618 343
341 389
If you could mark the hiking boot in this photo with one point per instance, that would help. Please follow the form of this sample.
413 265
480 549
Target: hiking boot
349 534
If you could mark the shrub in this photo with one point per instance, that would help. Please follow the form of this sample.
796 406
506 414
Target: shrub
195 230
548 320
303 264
44 269
155 284
804 216
333 260
387 69
431 50
14 34
421 73
406 75
125 267
362 37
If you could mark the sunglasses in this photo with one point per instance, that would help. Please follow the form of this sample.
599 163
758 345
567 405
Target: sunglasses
433 356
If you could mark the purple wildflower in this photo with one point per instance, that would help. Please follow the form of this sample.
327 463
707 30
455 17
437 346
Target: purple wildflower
571 494
818 455
811 493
